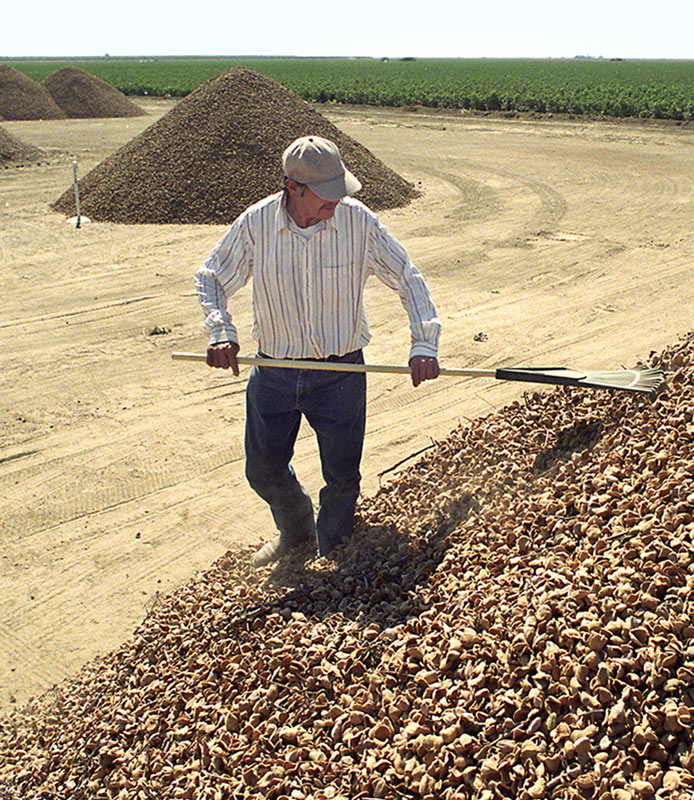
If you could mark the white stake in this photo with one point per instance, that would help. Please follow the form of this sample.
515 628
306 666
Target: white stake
77 192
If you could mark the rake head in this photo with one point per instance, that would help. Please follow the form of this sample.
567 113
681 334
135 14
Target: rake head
640 380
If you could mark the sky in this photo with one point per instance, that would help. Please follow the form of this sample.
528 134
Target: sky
375 28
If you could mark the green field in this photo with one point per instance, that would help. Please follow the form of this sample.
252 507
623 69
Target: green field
595 87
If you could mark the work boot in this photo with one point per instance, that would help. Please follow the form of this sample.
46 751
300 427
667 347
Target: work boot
278 548
270 552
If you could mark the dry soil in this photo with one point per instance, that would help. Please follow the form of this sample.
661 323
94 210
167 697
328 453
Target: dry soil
545 242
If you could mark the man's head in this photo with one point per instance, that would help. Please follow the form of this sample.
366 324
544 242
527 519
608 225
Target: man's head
316 163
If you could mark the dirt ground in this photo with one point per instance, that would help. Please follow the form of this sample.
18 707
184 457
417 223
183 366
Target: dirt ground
545 242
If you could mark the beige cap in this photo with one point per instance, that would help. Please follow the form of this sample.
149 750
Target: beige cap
316 162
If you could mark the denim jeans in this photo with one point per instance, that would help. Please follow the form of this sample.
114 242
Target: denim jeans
334 404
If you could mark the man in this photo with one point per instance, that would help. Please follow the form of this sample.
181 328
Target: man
309 249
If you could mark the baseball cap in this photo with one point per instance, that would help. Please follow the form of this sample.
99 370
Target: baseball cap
316 162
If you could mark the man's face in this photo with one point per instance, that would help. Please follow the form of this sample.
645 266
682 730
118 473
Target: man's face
307 208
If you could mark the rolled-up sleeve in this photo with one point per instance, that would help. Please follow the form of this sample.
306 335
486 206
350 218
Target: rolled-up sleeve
388 260
228 268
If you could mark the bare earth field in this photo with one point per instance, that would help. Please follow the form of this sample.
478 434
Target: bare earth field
561 242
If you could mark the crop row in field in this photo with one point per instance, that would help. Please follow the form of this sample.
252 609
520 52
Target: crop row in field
655 89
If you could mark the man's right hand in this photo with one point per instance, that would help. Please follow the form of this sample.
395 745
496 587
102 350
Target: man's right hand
223 355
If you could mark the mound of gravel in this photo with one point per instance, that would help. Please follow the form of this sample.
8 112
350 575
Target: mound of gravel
513 619
217 152
22 98
82 95
14 151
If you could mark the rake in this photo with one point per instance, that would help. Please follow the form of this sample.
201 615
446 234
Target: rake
639 380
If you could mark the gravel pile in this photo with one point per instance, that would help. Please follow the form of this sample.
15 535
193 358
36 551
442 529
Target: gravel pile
81 95
13 151
22 98
215 153
513 619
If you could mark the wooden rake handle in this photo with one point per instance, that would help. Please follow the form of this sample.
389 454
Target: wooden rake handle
334 366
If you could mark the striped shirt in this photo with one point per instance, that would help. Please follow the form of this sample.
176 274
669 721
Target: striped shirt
308 293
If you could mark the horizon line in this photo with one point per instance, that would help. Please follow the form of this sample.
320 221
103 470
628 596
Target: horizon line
385 57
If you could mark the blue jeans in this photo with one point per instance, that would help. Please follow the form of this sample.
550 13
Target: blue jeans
334 404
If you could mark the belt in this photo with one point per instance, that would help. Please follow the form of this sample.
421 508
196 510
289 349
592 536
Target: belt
344 357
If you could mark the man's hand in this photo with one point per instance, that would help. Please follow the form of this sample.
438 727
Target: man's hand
423 368
223 355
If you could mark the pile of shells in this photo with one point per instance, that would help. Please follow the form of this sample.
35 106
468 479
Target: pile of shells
514 618
23 98
84 96
13 151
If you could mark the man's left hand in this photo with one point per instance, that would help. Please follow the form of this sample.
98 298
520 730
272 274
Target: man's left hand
423 368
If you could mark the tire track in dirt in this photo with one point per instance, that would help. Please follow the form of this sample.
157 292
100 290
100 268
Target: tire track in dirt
56 602
21 654
77 312
479 201
55 479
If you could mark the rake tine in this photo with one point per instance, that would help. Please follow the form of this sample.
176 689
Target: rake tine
645 380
